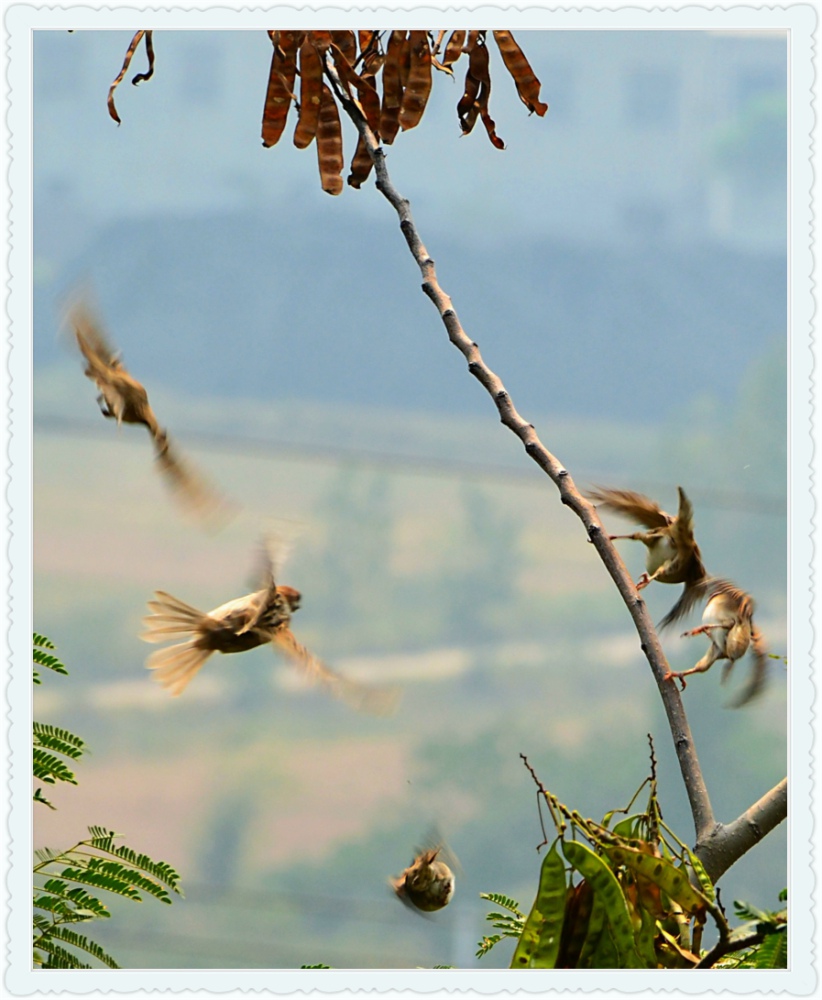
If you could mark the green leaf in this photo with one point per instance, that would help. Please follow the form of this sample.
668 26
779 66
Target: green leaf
77 897
315 966
48 660
605 885
102 880
504 901
48 768
41 640
59 958
538 945
487 943
773 952
39 797
79 941
58 740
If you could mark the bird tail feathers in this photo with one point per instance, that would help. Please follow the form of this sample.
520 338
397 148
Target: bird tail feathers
177 665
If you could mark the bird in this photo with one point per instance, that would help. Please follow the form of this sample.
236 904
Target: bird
124 399
673 555
728 622
243 623
428 883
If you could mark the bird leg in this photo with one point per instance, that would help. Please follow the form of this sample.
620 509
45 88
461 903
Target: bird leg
702 630
707 661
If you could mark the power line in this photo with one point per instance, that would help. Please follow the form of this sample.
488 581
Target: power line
428 465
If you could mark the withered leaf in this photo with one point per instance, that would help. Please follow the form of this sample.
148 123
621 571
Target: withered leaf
453 49
149 73
132 48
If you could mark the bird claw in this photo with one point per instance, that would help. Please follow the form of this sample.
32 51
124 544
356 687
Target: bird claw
643 582
673 676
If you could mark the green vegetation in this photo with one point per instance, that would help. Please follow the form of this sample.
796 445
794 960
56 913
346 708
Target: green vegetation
61 899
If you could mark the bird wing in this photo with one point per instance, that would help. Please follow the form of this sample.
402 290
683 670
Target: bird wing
692 594
365 698
682 528
91 340
636 506
759 673
200 498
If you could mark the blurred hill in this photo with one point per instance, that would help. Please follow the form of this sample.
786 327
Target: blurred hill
660 325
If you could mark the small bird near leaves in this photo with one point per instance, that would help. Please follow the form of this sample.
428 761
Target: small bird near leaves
124 399
728 622
428 883
673 555
241 624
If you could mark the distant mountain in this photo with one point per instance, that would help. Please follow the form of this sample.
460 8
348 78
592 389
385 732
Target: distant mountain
328 308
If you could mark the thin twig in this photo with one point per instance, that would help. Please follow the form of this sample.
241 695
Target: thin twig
697 791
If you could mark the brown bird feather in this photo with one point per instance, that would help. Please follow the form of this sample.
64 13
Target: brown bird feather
673 555
255 619
124 399
428 883
728 622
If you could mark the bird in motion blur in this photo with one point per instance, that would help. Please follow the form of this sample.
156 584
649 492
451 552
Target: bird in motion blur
124 399
427 884
256 619
672 553
728 623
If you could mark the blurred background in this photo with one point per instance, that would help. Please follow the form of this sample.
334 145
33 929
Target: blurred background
622 265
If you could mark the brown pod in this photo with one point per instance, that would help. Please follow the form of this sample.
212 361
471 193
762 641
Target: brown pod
418 87
329 144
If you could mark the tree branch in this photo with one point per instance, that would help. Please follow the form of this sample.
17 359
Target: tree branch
728 842
705 824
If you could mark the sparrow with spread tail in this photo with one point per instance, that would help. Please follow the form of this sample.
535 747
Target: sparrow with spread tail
428 883
124 399
728 623
245 623
673 555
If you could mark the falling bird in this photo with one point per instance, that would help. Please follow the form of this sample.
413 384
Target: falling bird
245 623
124 399
428 883
728 623
673 555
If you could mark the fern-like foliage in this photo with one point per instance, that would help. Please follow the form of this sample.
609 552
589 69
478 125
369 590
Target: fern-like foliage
62 879
61 897
42 659
59 741
509 924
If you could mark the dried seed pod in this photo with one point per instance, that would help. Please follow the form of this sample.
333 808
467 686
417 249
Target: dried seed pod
280 90
418 87
311 88
329 144
520 69
391 88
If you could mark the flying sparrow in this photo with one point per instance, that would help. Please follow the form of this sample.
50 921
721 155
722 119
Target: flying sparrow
728 623
673 555
427 884
124 399
246 622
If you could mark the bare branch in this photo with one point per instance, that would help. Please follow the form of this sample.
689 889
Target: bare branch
717 846
704 821
728 842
